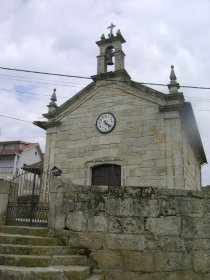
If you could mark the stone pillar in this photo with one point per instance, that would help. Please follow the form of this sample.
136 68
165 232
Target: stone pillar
4 195
56 212
101 64
119 60
174 151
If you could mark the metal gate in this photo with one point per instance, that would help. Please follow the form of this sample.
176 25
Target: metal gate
28 200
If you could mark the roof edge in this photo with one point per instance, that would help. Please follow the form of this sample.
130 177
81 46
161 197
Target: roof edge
68 102
190 123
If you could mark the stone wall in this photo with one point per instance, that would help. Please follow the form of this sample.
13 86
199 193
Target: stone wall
134 232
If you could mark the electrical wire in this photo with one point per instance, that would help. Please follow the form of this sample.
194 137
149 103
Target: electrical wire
22 77
45 73
190 98
80 77
89 78
10 137
17 119
8 117
45 83
25 92
194 99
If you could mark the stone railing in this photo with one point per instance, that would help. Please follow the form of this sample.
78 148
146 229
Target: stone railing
134 232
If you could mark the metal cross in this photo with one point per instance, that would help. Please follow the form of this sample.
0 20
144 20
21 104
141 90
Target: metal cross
111 29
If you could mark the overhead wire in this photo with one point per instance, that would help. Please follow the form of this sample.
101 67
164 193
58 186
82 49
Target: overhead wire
67 84
194 99
40 82
45 73
71 83
89 78
190 98
25 92
8 117
22 77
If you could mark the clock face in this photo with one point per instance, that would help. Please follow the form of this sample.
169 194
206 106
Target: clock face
105 122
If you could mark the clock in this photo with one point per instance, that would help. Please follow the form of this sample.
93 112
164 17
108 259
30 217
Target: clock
106 122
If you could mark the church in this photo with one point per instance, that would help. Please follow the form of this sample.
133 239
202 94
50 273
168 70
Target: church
119 132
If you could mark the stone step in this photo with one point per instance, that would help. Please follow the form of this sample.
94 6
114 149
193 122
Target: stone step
35 250
35 231
31 253
73 272
96 277
41 261
27 240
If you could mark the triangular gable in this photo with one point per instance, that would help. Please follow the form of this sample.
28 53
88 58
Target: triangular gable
130 87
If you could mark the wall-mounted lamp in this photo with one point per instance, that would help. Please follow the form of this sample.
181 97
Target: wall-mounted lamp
56 171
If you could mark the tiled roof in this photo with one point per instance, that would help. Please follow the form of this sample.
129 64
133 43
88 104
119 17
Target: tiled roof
36 168
13 147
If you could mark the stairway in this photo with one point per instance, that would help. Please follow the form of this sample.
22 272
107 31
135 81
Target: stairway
30 253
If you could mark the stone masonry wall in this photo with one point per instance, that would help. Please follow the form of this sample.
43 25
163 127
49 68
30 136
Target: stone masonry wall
136 233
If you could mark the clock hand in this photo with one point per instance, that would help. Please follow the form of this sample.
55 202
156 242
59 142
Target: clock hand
107 124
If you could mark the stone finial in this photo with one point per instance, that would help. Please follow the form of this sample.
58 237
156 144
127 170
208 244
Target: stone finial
118 32
102 37
173 86
172 75
52 105
53 97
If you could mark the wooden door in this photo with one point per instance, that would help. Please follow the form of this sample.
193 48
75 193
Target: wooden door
106 175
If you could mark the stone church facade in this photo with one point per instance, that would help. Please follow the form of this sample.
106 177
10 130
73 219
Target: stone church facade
119 132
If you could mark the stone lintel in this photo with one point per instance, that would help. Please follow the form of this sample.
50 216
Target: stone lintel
111 76
170 107
178 96
111 39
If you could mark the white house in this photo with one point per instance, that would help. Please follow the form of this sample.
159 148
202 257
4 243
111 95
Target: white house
15 154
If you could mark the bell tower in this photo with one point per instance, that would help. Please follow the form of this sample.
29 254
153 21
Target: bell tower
110 51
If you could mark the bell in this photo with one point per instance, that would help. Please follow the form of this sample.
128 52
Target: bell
110 61
109 56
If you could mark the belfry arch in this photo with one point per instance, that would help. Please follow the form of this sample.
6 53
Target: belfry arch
110 55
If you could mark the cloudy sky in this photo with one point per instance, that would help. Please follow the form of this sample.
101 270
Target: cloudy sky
59 36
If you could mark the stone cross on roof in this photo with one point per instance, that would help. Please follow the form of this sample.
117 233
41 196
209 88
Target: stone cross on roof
111 29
